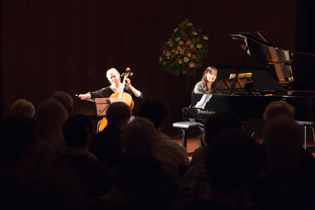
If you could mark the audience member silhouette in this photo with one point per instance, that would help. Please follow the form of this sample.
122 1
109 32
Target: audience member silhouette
272 110
289 181
278 108
195 182
106 145
77 131
283 141
231 165
22 107
170 154
51 190
216 123
17 155
138 137
49 117
135 181
65 99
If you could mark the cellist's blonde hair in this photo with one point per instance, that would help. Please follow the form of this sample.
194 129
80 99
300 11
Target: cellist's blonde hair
112 70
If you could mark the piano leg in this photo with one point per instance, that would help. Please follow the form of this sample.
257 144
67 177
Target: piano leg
305 125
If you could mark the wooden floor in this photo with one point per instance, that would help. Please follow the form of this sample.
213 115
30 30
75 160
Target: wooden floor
192 144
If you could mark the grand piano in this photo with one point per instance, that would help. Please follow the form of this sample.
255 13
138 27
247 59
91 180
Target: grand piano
293 71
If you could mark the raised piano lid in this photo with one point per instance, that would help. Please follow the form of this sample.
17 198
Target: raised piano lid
293 70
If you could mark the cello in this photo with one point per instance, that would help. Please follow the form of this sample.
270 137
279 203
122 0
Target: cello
126 97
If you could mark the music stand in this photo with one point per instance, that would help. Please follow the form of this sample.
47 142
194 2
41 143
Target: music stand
101 106
103 103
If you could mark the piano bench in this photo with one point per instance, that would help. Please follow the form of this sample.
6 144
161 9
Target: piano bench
184 126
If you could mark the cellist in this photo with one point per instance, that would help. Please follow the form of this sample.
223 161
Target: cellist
113 77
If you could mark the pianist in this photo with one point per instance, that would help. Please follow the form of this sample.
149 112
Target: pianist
206 85
208 82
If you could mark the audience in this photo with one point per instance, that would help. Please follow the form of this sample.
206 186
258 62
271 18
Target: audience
49 159
170 154
65 99
136 179
18 137
51 190
283 142
231 165
138 137
195 182
284 109
106 145
286 183
76 158
216 123
17 155
49 117
278 108
22 107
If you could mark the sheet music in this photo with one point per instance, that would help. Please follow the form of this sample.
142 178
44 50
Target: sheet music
203 101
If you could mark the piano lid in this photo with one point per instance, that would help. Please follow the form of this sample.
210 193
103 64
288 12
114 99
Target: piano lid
293 70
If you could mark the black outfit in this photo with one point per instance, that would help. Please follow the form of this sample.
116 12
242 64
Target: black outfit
106 145
199 89
107 92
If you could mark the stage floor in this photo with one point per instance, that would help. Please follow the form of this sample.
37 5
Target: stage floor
192 144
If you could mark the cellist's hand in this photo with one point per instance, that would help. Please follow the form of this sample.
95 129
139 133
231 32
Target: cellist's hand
85 96
128 82
136 92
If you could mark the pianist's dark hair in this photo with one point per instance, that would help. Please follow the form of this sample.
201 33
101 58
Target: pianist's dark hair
204 80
